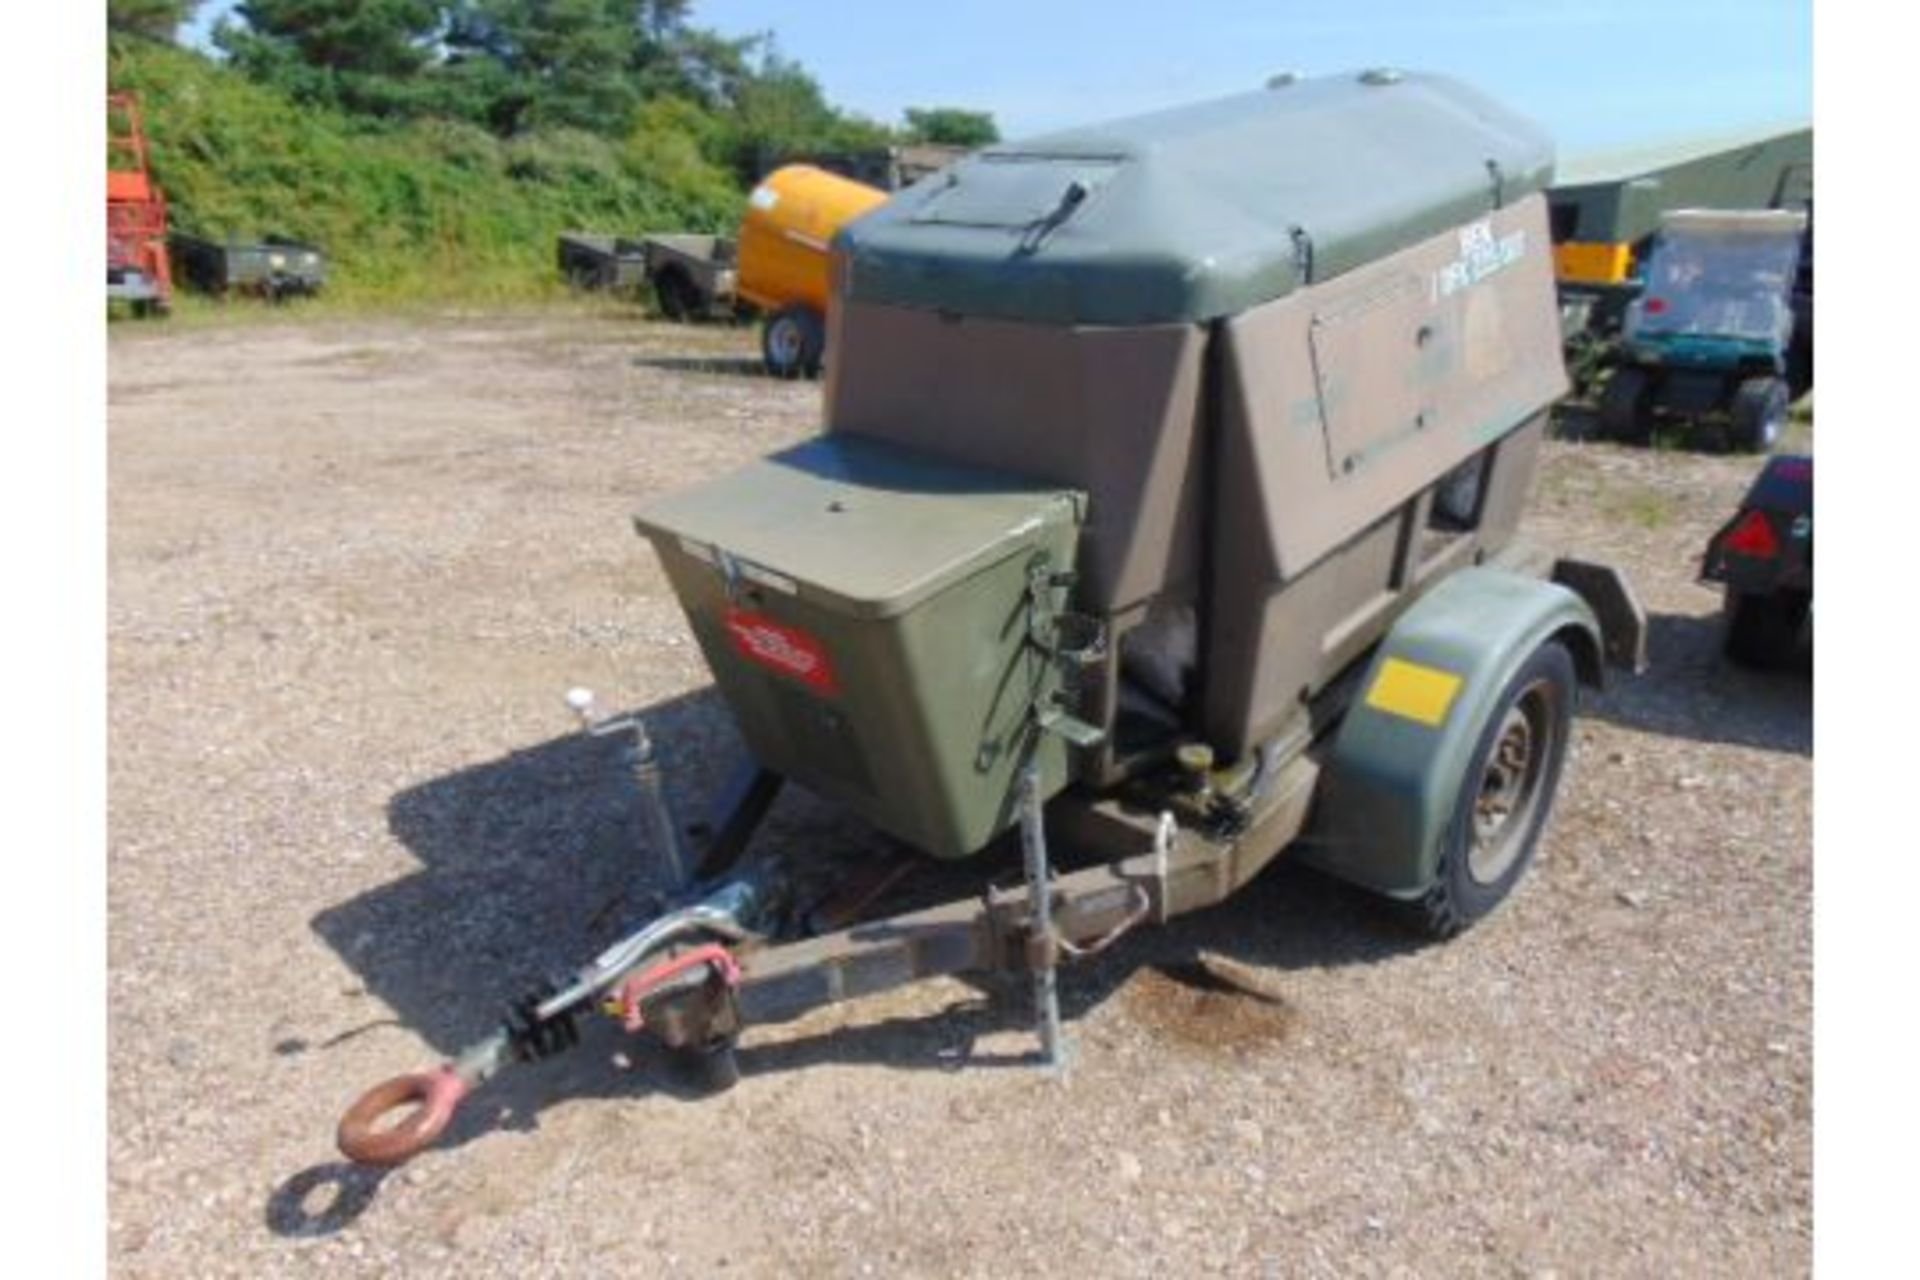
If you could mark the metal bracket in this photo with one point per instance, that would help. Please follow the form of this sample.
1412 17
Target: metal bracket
729 573
1052 719
1074 642
1623 621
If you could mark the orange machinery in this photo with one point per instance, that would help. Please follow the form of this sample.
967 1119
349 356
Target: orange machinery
137 268
790 222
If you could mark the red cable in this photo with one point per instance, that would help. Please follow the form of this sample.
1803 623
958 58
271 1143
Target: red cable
634 989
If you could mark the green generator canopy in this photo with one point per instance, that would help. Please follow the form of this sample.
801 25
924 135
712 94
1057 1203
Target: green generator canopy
1198 212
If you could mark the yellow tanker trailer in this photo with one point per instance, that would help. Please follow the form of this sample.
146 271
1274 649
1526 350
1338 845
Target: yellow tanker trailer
791 220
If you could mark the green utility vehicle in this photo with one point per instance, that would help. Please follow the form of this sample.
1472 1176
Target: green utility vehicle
1605 208
1164 512
1707 340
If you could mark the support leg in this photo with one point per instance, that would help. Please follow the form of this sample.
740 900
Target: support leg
1046 987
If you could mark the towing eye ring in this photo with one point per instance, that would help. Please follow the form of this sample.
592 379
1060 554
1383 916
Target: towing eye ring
433 1095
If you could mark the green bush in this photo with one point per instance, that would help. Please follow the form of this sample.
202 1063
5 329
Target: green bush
422 209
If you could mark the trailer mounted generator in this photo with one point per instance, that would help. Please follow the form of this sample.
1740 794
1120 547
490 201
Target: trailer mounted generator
1227 388
1164 511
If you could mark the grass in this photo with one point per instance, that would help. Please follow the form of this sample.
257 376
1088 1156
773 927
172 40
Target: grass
1646 508
426 212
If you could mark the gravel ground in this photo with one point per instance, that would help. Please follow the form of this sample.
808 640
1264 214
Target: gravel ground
354 563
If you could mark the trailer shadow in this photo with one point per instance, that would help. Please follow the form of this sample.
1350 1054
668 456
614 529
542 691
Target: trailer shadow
1691 690
532 862
528 867
735 366
1289 918
329 1197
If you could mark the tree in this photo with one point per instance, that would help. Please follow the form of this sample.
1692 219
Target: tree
566 61
952 126
659 19
517 66
158 19
780 113
361 55
679 61
369 37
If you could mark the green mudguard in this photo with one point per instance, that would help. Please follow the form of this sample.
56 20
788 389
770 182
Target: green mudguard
1400 755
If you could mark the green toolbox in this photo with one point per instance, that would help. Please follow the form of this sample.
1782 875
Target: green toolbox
883 625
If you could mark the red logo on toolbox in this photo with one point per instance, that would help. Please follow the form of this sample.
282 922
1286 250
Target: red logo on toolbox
788 650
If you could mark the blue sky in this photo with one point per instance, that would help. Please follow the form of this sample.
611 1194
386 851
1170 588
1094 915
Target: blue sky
1598 74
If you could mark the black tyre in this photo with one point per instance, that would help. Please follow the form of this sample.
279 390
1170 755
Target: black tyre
1759 413
1763 629
1623 406
1800 350
1506 796
792 342
676 295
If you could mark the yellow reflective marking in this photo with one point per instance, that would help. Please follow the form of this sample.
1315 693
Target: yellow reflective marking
1593 262
1412 691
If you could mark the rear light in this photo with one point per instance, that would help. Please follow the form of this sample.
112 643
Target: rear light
1656 305
1754 537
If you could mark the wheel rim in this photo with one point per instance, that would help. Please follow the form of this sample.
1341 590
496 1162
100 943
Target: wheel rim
783 340
1510 790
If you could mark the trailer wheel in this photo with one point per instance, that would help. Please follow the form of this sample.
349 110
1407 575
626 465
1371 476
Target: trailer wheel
792 342
675 294
1763 628
1623 406
1759 413
1508 792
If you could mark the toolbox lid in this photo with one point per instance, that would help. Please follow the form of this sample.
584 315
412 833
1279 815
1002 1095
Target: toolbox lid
855 524
1200 211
